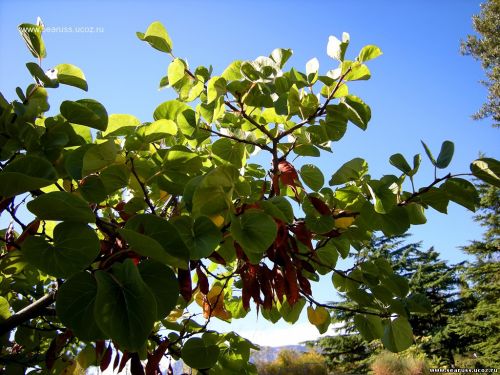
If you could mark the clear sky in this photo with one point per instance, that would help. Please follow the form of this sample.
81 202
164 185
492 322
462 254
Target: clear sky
421 88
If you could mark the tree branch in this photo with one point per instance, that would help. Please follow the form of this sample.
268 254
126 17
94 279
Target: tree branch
34 310
143 188
320 111
261 146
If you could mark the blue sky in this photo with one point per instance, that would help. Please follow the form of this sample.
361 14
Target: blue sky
421 88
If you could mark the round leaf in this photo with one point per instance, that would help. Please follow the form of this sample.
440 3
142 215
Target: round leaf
75 306
60 205
125 308
87 112
75 247
198 354
312 176
254 231
162 282
71 75
398 335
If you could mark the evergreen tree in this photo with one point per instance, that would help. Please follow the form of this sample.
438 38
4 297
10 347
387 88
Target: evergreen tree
427 275
479 327
486 48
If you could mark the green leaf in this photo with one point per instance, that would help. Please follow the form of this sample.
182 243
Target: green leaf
75 247
289 313
368 53
281 56
358 113
162 282
157 130
201 237
369 326
429 154
157 37
351 171
155 237
255 231
170 110
176 71
198 354
32 35
213 194
99 156
121 124
400 163
487 170
40 75
445 155
336 48
92 189
233 71
216 87
61 205
312 176
4 309
398 335
75 305
125 308
416 214
278 207
87 112
462 192
395 222
437 199
229 152
307 150
71 75
26 173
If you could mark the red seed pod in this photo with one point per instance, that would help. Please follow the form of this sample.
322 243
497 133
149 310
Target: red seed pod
292 288
302 233
304 284
99 348
289 176
202 281
153 365
246 293
185 284
319 205
123 362
265 276
217 258
30 230
307 266
279 283
136 365
106 358
116 362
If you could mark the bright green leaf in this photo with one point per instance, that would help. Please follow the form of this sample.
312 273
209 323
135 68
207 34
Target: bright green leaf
157 37
71 75
87 112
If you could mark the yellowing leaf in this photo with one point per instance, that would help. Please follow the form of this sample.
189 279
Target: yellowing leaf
344 222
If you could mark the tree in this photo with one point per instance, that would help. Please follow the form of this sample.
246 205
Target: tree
126 226
485 47
293 363
430 281
479 326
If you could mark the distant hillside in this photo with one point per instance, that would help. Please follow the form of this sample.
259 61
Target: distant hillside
265 354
